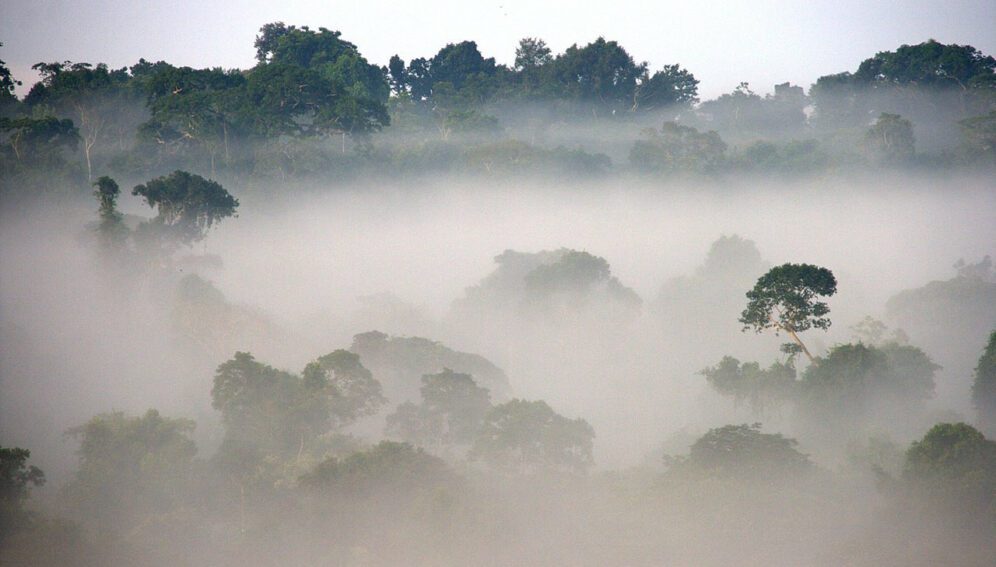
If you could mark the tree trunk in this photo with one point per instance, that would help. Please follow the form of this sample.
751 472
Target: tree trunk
798 341
792 334
86 152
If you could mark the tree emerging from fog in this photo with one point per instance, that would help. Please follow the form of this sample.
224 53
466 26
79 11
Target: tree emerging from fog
786 300
187 206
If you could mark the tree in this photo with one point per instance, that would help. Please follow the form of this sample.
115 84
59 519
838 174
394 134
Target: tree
266 412
762 388
890 139
859 386
16 480
523 435
187 206
386 470
670 86
350 389
193 109
451 413
460 63
319 80
532 52
111 227
785 299
954 465
398 75
600 76
400 363
95 97
419 77
577 276
743 452
931 64
7 86
978 138
933 84
38 142
984 385
131 467
678 148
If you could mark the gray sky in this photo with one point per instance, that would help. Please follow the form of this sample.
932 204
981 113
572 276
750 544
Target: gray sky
721 43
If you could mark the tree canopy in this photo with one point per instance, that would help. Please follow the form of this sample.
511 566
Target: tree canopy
742 451
187 205
521 435
786 300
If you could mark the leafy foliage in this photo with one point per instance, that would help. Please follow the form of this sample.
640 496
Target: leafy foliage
111 227
577 275
954 466
187 206
520 435
764 389
742 451
130 467
785 299
861 385
402 362
397 468
265 411
891 138
41 142
351 390
97 98
16 480
678 148
451 413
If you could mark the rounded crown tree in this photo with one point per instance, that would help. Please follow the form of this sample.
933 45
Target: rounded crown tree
786 299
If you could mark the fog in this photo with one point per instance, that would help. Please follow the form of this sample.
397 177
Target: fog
451 312
313 266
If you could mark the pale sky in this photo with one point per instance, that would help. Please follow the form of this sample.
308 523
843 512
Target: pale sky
721 43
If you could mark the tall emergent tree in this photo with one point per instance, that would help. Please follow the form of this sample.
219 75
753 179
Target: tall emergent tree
111 229
187 205
785 299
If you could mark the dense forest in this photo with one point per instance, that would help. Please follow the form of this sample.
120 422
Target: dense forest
326 312
314 106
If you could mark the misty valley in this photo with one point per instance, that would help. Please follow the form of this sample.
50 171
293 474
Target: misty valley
450 312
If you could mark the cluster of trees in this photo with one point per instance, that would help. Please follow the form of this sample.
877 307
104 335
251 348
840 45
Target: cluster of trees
301 452
549 282
187 207
878 384
139 482
310 90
